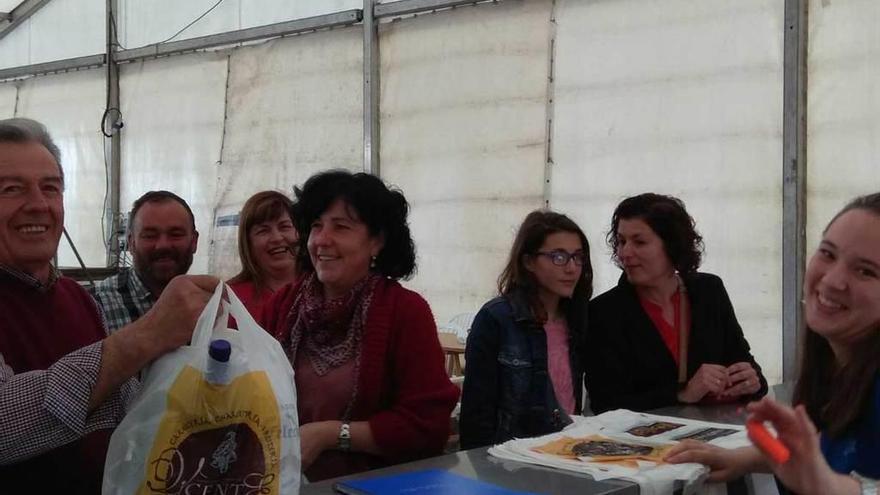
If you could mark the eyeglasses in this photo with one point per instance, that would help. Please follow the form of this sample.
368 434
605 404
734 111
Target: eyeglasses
561 258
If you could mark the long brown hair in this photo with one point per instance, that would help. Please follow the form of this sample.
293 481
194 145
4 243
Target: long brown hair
835 396
261 207
531 235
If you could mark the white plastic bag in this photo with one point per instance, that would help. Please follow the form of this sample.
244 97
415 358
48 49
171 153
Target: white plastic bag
185 435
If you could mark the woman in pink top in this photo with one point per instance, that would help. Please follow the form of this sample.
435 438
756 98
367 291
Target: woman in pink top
267 243
523 375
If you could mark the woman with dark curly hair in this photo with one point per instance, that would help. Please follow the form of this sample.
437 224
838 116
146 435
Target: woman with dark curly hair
523 377
667 333
370 377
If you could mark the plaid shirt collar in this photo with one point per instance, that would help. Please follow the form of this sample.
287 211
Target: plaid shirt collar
138 289
30 280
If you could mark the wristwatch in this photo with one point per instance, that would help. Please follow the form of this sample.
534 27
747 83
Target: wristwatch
343 441
869 486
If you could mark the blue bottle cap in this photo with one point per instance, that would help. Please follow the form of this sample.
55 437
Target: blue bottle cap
220 350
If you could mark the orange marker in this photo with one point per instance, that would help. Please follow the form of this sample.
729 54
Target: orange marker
769 444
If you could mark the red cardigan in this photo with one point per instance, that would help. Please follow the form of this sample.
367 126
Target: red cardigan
403 390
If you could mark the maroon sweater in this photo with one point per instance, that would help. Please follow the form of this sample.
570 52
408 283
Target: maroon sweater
403 390
38 327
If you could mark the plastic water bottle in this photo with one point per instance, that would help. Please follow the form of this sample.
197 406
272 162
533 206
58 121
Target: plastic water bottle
218 362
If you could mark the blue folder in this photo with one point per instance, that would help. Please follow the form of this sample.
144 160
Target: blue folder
428 482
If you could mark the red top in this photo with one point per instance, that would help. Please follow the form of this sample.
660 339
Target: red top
669 333
335 389
37 328
403 390
246 291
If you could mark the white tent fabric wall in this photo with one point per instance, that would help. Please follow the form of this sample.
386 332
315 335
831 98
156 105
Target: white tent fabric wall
173 113
463 109
71 106
15 47
294 107
60 29
145 22
8 96
687 106
843 128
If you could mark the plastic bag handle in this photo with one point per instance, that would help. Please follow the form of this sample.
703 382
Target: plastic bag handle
246 323
209 320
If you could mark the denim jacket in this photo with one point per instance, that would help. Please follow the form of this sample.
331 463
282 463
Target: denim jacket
507 390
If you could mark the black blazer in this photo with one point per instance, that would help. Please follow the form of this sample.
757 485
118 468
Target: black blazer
628 365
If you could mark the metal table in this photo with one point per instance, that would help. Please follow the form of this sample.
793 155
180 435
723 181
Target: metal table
477 463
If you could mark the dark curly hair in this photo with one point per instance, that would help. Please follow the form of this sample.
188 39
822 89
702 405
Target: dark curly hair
384 211
668 218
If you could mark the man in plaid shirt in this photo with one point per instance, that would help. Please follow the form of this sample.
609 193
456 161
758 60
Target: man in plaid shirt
63 383
162 239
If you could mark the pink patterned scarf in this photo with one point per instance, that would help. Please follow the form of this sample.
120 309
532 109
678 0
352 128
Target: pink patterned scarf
329 331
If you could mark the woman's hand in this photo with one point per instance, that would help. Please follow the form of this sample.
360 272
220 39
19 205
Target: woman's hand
315 438
806 471
710 378
744 380
725 464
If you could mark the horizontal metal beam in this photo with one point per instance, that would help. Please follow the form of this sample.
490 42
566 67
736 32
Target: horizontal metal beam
20 14
405 7
56 66
344 18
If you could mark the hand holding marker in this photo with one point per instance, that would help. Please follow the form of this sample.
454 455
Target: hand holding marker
767 443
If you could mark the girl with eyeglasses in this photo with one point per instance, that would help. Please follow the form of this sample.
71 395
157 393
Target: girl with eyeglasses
523 375
666 334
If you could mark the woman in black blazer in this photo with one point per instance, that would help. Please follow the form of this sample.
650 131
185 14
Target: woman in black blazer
666 334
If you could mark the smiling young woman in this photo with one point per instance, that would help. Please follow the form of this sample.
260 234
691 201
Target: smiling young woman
839 385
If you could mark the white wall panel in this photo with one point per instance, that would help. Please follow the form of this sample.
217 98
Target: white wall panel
672 97
463 109
8 95
15 47
173 113
151 21
272 11
70 105
843 115
66 29
142 22
60 29
295 107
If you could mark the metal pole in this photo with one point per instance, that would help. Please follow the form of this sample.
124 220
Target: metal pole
111 213
794 182
551 105
371 90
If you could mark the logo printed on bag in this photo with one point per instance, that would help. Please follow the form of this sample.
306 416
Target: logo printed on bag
236 464
215 439
225 453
